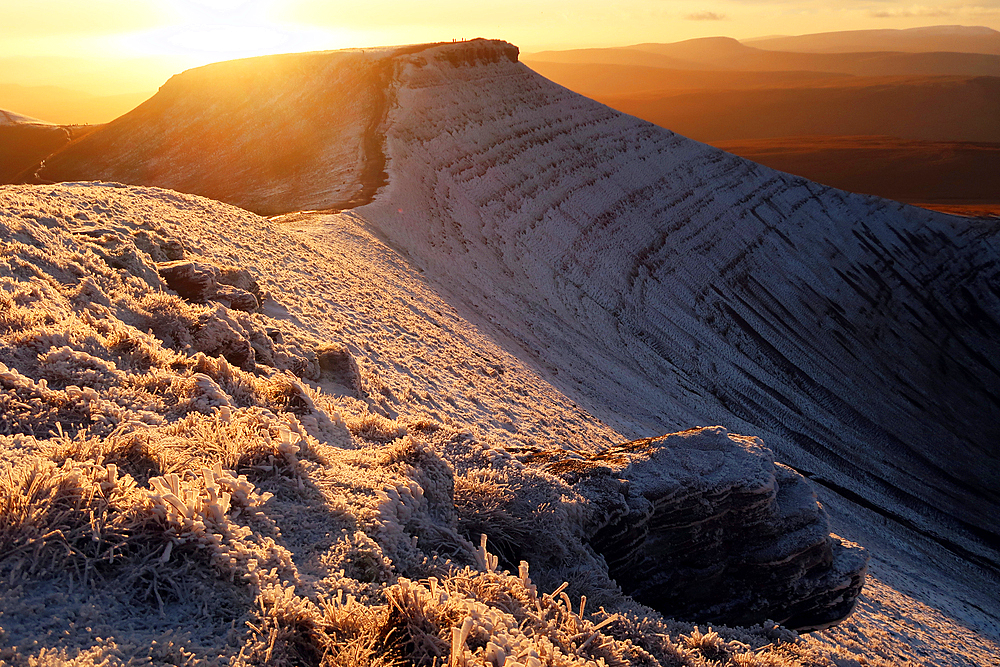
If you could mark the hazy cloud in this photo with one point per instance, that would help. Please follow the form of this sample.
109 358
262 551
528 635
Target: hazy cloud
65 17
909 12
705 16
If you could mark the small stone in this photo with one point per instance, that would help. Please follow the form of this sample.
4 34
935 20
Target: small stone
173 249
236 298
240 279
193 281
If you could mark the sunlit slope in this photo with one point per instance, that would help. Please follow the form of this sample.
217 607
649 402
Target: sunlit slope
669 284
267 134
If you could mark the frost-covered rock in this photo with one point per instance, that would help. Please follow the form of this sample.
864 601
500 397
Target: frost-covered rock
200 282
194 281
233 297
703 524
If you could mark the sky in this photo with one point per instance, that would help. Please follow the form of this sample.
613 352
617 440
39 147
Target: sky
177 34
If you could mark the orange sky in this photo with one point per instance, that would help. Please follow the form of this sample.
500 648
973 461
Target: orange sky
185 33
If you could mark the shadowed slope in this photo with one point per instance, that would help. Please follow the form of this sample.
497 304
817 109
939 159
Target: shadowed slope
667 284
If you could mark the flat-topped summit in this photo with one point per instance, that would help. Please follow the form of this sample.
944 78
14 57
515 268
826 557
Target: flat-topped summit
271 134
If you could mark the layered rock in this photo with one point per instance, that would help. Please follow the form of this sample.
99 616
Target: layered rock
703 524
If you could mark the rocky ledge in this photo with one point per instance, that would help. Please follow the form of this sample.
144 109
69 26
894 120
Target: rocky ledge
705 525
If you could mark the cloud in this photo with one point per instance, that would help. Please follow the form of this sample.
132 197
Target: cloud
705 16
908 12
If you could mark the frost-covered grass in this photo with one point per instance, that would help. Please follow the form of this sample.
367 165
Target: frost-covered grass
161 502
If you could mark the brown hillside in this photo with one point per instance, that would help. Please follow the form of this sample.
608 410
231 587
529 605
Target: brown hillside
947 173
931 109
595 80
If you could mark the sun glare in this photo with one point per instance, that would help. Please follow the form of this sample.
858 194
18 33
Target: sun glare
212 30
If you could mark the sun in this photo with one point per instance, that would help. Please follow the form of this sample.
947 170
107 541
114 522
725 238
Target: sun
203 31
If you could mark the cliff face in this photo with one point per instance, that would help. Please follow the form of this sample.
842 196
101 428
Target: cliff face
665 283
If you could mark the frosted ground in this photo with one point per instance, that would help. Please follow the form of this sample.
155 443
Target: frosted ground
425 374
469 315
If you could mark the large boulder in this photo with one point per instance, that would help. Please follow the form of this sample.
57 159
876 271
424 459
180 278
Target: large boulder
704 525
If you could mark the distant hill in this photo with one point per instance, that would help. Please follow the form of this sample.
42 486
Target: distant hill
65 106
256 133
26 141
954 38
911 171
728 54
601 80
8 118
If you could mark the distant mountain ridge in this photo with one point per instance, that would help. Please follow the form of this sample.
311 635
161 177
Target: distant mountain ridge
724 53
936 84
65 106
11 118
958 39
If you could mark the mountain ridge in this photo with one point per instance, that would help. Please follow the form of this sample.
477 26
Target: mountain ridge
721 53
966 39
497 198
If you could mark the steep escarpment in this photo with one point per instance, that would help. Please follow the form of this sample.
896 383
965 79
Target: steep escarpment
666 283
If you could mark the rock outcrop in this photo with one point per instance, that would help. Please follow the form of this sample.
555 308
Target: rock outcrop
705 525
200 282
